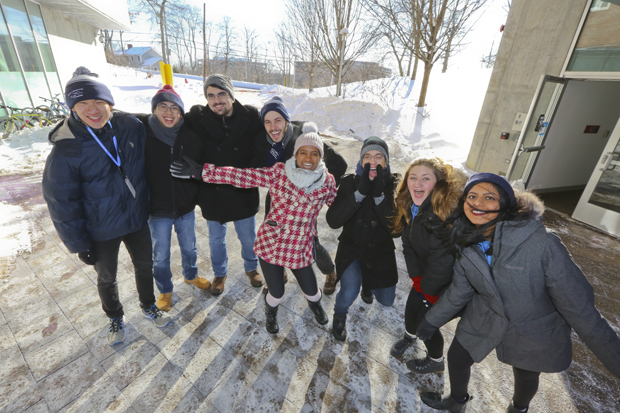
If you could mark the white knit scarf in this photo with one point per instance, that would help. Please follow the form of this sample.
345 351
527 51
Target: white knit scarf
303 178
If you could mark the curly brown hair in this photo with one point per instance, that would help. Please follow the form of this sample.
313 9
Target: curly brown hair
445 195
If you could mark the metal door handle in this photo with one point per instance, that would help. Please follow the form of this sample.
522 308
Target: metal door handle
526 149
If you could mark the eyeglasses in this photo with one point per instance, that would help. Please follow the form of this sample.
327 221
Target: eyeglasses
162 107
378 157
220 95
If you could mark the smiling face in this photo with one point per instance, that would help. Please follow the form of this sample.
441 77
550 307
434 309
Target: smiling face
480 198
308 157
275 125
168 114
374 158
93 112
420 182
219 101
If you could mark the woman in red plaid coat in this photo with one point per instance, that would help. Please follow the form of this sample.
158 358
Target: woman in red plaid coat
299 188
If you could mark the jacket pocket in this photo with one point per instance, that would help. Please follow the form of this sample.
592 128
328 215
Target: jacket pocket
545 323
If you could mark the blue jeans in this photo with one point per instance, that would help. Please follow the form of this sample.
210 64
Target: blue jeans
161 230
246 233
350 285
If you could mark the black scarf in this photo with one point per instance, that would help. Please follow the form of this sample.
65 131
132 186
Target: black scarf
166 135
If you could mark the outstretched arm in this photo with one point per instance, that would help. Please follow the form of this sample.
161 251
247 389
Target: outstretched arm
238 177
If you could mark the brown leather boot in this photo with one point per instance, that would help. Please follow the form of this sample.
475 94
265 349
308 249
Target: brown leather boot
217 286
255 278
266 290
330 283
164 302
200 282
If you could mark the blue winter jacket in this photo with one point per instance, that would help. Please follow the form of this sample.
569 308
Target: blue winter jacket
86 194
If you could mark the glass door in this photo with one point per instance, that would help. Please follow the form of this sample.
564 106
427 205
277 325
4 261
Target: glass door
535 128
599 205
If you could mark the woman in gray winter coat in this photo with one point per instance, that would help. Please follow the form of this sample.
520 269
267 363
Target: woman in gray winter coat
522 294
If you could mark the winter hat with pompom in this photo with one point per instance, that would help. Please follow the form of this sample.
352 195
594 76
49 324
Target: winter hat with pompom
310 137
167 94
85 85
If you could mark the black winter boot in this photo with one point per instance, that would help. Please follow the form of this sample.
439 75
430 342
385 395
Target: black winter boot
271 318
339 327
512 409
319 313
440 402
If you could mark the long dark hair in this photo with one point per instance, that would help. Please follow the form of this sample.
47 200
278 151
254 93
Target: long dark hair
464 234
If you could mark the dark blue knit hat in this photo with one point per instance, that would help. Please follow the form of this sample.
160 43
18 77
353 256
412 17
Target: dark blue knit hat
500 181
274 104
167 94
85 85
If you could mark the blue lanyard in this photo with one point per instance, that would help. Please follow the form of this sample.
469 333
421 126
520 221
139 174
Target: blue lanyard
116 161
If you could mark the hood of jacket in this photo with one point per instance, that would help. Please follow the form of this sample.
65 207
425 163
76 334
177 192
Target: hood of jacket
510 234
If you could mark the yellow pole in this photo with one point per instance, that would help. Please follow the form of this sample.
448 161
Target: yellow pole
169 80
162 71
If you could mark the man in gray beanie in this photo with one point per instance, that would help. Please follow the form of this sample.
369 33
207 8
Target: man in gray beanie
228 135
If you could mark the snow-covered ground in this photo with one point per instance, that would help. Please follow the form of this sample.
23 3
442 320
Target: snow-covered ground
385 108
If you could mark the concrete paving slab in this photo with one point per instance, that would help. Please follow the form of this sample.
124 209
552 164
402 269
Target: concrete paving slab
156 387
77 382
55 354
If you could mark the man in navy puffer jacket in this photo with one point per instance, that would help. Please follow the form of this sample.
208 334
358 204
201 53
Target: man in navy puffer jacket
96 192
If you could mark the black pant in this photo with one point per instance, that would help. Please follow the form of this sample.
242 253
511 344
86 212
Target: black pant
416 308
141 252
323 259
274 276
459 366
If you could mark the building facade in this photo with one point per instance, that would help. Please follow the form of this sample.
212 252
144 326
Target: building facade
42 42
549 121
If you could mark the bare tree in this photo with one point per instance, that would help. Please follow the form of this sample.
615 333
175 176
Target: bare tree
303 35
336 49
507 5
157 10
439 26
185 30
250 40
282 55
227 40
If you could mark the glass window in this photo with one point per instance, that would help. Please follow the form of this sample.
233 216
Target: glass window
12 83
36 18
26 48
598 47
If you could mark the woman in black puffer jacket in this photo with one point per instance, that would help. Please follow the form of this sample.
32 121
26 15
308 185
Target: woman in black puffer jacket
427 195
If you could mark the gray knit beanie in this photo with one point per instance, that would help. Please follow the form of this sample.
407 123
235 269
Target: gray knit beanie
220 81
375 143
310 137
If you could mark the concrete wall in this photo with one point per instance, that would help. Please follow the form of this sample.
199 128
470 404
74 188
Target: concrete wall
73 42
536 41
570 155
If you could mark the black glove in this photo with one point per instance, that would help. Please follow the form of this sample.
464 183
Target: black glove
425 330
186 169
365 184
87 257
378 182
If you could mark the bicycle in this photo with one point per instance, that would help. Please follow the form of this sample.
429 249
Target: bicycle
56 111
19 119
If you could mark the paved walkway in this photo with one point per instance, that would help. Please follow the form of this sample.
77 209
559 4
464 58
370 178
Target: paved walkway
217 357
